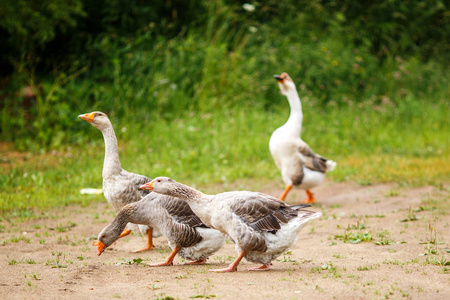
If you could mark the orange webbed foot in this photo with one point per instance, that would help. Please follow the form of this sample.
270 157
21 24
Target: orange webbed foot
229 269
149 242
143 249
197 262
310 198
260 268
163 264
169 260
232 267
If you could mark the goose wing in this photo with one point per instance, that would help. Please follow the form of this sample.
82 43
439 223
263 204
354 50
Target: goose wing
263 212
313 161
137 180
181 211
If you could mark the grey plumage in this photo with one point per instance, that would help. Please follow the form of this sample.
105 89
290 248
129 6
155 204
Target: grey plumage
262 226
174 219
120 187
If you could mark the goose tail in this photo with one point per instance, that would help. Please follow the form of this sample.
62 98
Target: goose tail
330 165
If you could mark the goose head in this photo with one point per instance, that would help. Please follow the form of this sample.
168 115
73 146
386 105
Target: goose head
161 185
106 237
285 83
97 119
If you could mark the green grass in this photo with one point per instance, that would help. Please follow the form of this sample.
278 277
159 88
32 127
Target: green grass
406 144
200 107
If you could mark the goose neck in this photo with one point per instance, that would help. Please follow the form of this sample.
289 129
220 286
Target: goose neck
296 115
188 193
111 165
122 219
295 104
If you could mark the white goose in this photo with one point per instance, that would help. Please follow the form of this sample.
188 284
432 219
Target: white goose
186 233
262 226
298 163
119 186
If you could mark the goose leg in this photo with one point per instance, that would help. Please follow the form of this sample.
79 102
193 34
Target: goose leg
286 191
169 260
149 241
197 262
310 197
232 267
264 267
124 233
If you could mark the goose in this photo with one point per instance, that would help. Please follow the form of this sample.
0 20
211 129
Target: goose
261 226
120 187
298 163
186 233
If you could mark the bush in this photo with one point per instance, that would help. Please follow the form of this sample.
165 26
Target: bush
146 61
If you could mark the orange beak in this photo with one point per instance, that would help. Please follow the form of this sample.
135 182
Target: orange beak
148 186
279 78
87 117
100 248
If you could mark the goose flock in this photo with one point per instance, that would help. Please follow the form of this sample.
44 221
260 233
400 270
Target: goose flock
195 224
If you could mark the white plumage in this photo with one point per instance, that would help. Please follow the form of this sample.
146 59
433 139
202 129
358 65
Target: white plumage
298 163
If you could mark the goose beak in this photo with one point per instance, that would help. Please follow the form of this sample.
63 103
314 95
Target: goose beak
100 248
87 117
279 78
148 186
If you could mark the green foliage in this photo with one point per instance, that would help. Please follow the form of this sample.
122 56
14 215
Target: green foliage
221 59
33 24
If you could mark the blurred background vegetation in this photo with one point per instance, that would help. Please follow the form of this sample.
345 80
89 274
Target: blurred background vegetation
188 86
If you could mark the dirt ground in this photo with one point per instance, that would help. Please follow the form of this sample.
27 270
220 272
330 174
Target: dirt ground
54 257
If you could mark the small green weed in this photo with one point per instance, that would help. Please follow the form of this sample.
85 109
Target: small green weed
14 262
384 238
134 261
330 269
30 261
335 206
392 193
58 262
20 238
287 257
35 276
368 268
354 237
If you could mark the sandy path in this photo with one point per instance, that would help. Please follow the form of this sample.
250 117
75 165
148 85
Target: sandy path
54 257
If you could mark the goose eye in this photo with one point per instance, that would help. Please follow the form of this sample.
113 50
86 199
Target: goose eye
159 180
